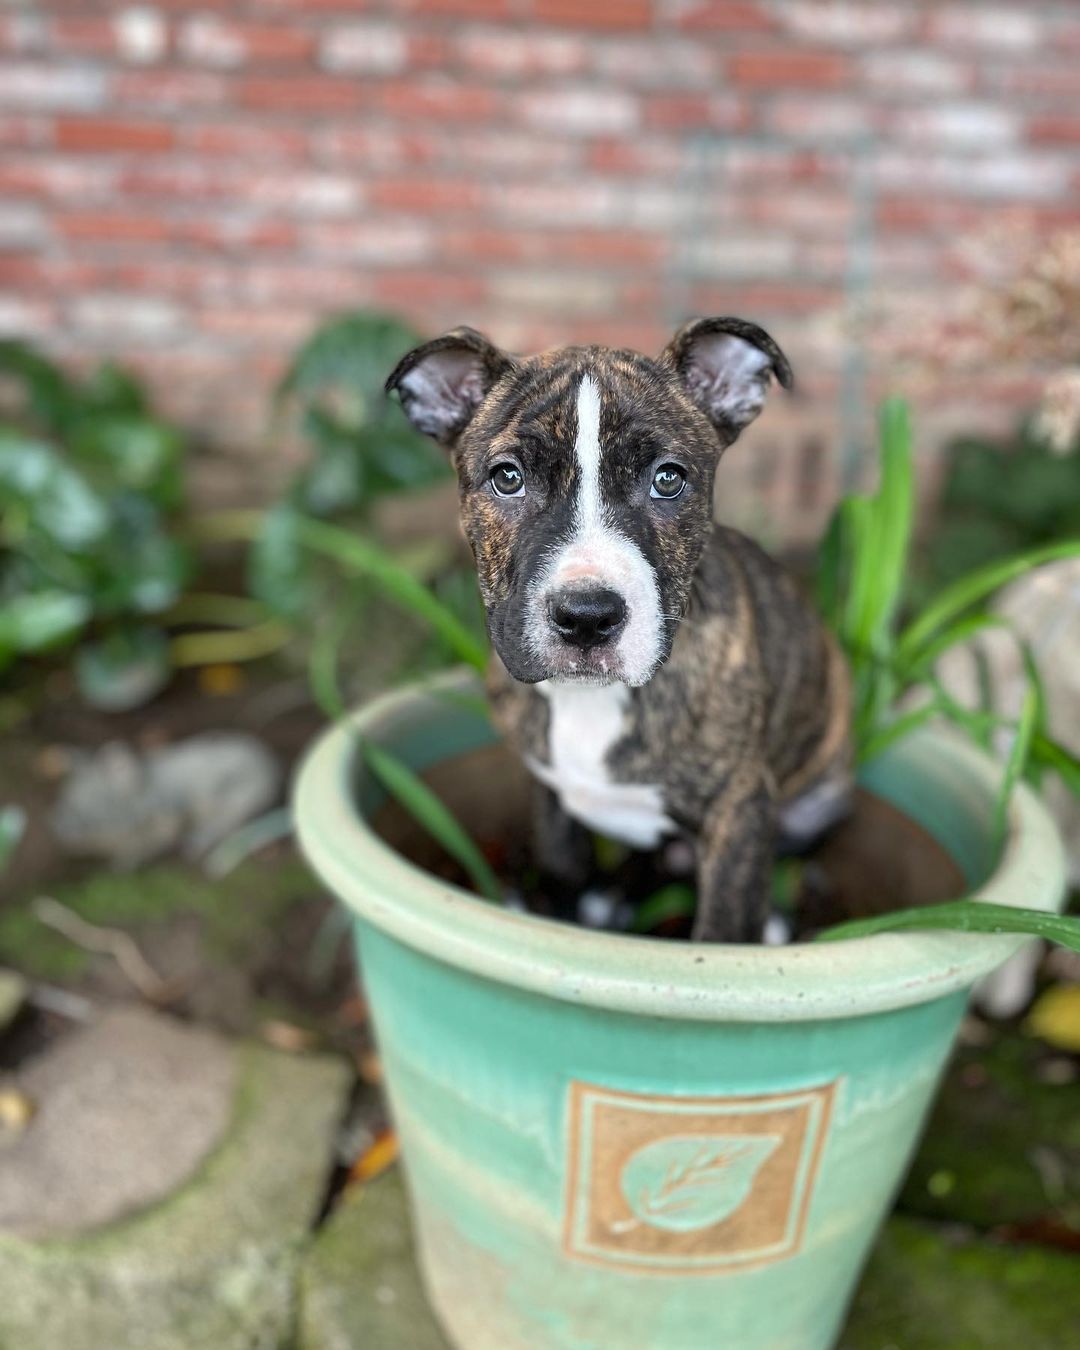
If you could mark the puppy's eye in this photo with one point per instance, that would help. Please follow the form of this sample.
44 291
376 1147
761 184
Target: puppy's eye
668 481
507 480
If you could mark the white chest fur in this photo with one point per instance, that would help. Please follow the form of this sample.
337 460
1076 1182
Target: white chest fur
585 722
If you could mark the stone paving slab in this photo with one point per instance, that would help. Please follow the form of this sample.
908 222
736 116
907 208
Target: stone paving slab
212 1267
360 1286
927 1287
111 1134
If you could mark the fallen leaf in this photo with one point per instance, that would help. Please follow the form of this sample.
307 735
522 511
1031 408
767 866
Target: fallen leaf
287 1036
221 679
1055 1018
16 1110
374 1160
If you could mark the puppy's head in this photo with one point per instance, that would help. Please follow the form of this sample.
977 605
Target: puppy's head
586 480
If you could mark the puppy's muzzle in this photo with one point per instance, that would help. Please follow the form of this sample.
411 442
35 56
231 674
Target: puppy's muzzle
587 618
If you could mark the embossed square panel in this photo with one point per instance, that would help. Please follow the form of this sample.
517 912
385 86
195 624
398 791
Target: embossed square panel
691 1183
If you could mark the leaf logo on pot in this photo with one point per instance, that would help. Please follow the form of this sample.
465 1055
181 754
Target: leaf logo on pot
692 1181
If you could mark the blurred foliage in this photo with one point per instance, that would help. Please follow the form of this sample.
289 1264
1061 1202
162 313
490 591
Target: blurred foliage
361 448
999 499
90 484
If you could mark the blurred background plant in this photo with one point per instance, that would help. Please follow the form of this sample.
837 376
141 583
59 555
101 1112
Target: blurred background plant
98 555
91 486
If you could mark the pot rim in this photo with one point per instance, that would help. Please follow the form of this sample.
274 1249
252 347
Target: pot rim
649 976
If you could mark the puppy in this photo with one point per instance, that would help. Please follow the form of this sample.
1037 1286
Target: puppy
660 675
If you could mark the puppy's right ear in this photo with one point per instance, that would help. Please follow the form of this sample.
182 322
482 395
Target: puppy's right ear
443 382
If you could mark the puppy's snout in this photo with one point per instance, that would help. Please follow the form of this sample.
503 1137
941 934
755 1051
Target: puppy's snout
587 618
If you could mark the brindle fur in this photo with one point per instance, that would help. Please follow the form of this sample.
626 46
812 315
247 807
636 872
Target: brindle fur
749 710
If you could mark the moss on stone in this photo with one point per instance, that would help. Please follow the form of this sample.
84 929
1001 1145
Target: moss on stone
1001 1146
927 1290
251 898
213 1265
359 1285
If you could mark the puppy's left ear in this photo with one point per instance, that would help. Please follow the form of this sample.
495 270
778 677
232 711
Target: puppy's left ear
726 366
442 383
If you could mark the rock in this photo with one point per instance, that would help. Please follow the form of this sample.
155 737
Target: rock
125 1110
12 997
926 1289
131 806
359 1285
215 1263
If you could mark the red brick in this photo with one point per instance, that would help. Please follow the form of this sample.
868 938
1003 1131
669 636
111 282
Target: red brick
246 139
616 247
113 227
178 90
507 53
637 156
101 134
786 68
594 13
427 288
464 9
227 234
300 94
426 194
727 16
275 328
445 101
1054 130
83 35
720 112
218 41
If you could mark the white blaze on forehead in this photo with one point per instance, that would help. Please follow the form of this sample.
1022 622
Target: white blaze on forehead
599 554
587 453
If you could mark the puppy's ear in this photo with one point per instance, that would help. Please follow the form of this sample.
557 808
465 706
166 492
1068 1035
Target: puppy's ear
443 382
726 366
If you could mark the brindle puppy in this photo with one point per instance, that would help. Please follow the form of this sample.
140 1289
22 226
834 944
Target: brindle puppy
660 675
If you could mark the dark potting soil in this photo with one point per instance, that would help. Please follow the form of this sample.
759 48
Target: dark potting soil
875 861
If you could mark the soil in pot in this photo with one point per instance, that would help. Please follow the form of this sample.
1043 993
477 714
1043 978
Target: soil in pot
875 861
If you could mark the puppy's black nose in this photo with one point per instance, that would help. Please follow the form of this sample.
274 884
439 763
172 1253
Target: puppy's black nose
587 618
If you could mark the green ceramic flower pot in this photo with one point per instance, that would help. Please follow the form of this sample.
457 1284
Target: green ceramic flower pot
615 1142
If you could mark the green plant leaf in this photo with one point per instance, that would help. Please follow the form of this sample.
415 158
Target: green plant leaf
965 916
1053 755
134 452
892 731
279 570
56 501
360 555
124 670
41 620
972 588
676 900
433 814
50 396
12 829
1015 765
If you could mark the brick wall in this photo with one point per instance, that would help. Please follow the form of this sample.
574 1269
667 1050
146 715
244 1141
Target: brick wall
190 185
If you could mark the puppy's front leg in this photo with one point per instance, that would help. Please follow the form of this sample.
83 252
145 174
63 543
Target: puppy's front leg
563 850
735 861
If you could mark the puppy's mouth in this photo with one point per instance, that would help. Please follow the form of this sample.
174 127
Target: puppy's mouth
598 666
